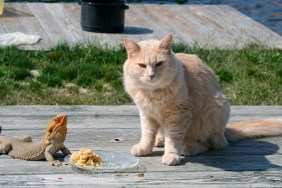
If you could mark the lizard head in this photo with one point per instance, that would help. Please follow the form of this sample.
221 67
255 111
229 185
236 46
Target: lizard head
57 127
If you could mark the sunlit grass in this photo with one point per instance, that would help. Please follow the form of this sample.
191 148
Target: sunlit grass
93 75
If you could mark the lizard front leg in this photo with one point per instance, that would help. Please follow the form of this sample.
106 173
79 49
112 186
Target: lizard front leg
65 150
49 151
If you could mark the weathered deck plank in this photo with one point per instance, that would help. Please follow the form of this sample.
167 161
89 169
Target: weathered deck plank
47 22
206 25
250 163
11 22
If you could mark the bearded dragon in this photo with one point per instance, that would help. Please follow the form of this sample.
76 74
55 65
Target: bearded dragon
53 141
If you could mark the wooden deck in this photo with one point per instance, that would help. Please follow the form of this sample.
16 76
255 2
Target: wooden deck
206 25
250 163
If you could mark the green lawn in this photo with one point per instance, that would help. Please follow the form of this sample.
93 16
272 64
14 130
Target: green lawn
93 75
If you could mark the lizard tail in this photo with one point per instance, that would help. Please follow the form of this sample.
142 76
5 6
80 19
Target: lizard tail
253 129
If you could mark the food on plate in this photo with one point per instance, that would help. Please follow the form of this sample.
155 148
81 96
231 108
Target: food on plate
85 157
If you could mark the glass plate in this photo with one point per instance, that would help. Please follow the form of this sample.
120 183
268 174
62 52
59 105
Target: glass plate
112 162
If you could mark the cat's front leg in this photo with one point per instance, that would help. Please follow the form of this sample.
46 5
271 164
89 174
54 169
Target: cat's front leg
149 129
175 128
172 154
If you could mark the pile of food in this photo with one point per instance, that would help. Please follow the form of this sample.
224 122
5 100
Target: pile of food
85 157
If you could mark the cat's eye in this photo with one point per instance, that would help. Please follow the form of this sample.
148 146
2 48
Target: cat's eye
142 65
159 63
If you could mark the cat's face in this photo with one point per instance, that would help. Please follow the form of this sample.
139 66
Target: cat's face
149 63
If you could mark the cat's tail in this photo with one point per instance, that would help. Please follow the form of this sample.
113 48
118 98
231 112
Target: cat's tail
253 129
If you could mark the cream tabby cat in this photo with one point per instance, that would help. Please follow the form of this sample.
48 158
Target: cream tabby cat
180 103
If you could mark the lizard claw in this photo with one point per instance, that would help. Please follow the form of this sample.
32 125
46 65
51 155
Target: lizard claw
55 163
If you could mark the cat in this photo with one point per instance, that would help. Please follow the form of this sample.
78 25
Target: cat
181 104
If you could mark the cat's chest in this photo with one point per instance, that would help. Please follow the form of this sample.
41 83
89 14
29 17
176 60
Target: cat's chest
152 102
152 108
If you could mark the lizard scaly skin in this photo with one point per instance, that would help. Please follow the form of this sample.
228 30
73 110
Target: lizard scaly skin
24 148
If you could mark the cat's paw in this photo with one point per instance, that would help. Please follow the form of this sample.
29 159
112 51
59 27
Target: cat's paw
194 148
171 159
187 152
139 150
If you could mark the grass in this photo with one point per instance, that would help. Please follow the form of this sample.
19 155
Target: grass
93 75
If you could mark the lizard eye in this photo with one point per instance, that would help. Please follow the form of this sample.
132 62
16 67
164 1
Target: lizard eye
159 63
142 65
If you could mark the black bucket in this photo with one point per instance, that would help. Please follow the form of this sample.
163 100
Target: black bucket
105 16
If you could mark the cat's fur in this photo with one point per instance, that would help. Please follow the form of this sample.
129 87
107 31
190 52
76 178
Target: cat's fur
180 103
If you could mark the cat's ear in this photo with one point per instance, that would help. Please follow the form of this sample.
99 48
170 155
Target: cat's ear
131 47
166 43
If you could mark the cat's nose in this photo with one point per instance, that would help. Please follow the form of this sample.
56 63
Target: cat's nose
151 77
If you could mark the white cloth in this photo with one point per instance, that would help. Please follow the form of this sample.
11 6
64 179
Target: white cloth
18 38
